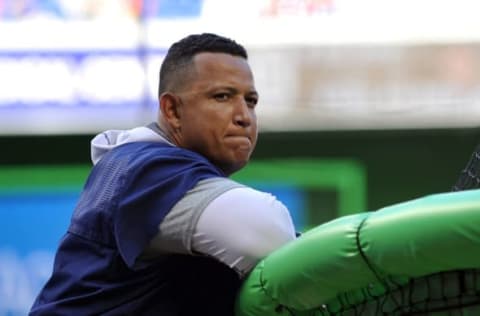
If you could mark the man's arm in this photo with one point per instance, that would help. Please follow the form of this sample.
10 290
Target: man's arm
225 220
241 226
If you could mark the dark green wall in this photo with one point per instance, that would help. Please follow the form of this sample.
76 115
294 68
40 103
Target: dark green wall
400 165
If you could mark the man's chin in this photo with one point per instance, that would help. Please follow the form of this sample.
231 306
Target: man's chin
233 167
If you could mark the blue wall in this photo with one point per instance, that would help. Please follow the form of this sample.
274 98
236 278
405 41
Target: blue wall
31 225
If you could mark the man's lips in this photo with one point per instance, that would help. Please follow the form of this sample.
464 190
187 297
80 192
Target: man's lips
241 140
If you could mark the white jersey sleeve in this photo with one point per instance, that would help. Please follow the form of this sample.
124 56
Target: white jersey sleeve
241 226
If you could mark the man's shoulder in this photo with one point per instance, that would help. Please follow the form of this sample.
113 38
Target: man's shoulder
148 159
146 153
143 152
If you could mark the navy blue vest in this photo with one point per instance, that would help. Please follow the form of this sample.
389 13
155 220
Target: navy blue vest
126 196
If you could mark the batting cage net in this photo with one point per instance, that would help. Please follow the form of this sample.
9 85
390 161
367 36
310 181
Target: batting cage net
454 293
443 294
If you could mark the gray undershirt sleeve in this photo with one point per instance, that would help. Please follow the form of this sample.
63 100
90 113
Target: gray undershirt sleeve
176 231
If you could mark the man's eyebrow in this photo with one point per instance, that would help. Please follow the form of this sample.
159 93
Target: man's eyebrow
228 88
235 90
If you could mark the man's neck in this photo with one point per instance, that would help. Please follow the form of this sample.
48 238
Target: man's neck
157 129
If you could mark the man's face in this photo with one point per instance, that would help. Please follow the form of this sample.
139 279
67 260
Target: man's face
217 112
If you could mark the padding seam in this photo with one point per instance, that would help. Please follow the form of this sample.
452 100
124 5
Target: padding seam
364 256
278 306
368 263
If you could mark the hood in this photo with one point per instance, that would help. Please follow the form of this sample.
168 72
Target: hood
108 140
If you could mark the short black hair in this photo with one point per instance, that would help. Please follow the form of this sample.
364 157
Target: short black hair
181 53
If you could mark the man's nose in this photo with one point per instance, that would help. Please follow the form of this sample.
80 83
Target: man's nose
243 114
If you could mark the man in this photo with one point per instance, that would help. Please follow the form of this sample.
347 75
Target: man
159 228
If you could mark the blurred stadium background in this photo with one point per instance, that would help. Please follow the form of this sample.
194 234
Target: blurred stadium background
363 104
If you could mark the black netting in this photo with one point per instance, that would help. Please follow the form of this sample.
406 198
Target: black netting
442 294
470 175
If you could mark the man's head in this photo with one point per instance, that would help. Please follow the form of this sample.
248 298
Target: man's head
177 64
207 100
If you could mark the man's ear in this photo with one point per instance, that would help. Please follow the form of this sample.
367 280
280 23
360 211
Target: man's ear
170 108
